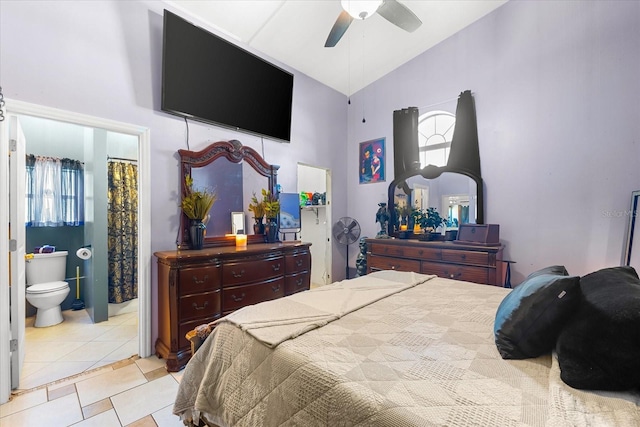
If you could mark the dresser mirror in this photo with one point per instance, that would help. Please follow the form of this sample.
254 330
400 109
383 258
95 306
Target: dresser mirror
456 187
235 173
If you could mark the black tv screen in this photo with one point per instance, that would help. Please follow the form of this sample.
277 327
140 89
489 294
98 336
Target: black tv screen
209 79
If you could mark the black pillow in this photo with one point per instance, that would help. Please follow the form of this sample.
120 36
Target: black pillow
532 315
599 348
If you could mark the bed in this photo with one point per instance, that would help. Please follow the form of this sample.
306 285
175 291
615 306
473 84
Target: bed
387 349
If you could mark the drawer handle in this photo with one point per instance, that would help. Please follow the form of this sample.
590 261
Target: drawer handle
299 282
275 288
463 256
237 299
454 275
299 262
276 267
237 275
206 303
200 282
393 267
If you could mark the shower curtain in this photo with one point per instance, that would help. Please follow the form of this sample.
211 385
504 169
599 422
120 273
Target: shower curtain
122 229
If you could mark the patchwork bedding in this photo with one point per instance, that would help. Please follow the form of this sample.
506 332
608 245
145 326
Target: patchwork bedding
423 356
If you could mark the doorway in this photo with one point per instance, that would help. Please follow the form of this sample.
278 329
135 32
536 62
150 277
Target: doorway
98 126
315 221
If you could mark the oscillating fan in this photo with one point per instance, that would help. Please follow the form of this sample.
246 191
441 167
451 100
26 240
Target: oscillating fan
346 231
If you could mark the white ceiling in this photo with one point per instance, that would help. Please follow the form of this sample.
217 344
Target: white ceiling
294 32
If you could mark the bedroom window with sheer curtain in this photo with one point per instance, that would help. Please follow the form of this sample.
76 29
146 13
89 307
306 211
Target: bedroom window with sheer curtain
54 192
435 131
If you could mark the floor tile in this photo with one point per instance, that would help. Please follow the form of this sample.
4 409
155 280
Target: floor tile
53 372
109 384
92 351
143 422
150 363
144 400
57 393
119 333
60 412
41 351
104 419
23 401
96 408
165 418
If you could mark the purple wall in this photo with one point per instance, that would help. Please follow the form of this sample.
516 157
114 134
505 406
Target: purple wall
103 58
557 93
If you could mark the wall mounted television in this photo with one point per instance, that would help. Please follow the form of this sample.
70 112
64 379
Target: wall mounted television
209 79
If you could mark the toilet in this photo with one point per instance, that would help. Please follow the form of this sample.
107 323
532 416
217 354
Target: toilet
46 288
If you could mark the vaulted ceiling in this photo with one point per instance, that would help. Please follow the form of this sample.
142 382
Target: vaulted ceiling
294 32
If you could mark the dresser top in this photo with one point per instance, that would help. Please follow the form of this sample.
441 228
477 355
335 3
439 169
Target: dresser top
453 245
222 251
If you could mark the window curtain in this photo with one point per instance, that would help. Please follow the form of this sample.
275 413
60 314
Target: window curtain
122 229
54 192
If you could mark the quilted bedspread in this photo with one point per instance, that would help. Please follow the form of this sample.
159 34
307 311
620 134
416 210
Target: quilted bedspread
424 356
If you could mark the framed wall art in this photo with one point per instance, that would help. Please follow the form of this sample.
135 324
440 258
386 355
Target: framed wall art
372 161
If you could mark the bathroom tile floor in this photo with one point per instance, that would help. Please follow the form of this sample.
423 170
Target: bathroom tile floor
133 392
75 346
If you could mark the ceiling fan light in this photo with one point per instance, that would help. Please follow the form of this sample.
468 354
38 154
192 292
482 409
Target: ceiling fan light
361 9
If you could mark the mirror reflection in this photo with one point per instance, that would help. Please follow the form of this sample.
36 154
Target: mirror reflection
453 195
235 173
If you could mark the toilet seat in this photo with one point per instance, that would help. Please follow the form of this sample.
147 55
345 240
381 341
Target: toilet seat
43 288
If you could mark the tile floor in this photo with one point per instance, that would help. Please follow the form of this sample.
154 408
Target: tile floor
75 346
133 392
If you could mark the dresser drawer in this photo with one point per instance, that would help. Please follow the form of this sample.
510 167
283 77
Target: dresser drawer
236 297
238 273
457 272
375 263
298 261
296 282
467 257
406 251
199 279
200 305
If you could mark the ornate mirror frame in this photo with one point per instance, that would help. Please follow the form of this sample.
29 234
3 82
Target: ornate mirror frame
632 231
235 152
464 159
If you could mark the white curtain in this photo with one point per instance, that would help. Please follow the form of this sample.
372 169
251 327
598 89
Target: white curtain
54 190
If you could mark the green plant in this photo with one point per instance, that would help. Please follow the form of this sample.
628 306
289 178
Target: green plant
271 204
431 219
196 204
257 207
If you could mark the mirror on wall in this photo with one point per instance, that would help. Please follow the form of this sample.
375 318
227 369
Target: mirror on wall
235 172
631 250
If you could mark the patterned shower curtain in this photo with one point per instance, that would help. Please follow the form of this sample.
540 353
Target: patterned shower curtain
122 223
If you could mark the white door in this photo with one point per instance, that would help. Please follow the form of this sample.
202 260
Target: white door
17 251
12 251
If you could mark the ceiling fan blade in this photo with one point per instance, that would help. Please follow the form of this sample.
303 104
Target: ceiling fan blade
339 28
399 15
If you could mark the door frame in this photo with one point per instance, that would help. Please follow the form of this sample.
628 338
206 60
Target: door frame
15 107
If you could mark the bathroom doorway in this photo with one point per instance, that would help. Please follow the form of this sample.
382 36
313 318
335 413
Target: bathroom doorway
104 131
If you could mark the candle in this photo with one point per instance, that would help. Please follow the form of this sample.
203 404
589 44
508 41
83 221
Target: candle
241 240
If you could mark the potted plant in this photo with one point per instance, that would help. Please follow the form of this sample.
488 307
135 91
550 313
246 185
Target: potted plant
429 221
271 206
257 207
196 205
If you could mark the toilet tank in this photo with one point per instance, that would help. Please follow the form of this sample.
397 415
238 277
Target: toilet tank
43 268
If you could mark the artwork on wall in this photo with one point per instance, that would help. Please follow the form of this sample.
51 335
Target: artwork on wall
372 161
632 238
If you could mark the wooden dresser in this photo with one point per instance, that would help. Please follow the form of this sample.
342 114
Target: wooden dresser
199 286
472 263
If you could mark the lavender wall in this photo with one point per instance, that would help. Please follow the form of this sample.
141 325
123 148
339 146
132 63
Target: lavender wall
103 58
557 93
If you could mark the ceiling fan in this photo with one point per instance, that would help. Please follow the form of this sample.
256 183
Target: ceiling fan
391 10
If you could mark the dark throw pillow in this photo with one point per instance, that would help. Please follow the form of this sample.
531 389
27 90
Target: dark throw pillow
599 348
532 315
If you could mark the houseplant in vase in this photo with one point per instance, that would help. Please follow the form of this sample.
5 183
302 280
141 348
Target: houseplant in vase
257 207
196 205
429 221
271 206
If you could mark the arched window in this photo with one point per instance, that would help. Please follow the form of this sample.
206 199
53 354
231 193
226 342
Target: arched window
435 131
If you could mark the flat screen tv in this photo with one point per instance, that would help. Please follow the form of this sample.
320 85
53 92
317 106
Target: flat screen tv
209 79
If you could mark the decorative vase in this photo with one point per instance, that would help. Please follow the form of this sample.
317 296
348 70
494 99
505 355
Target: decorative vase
196 233
258 227
271 230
